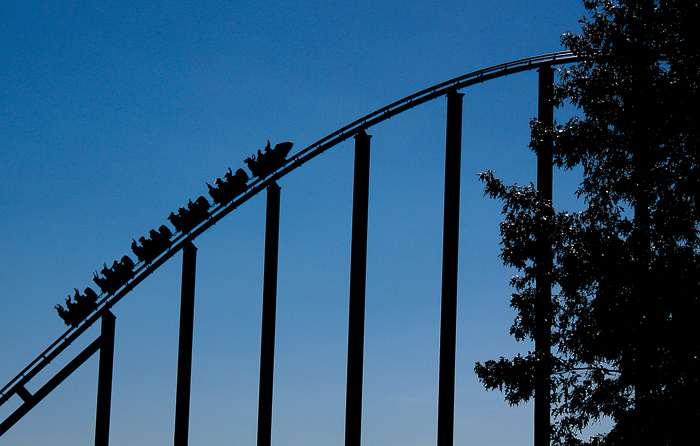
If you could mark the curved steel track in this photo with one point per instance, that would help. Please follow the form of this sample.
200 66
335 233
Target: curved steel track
302 157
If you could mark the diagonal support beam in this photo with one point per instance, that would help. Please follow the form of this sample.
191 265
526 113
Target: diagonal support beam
23 393
47 388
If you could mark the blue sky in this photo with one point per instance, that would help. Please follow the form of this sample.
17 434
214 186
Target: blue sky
115 113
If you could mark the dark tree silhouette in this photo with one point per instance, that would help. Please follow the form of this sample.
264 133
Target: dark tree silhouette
627 268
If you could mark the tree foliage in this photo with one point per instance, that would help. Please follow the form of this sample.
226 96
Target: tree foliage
626 270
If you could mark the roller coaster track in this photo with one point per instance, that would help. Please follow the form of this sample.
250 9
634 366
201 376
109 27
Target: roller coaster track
17 385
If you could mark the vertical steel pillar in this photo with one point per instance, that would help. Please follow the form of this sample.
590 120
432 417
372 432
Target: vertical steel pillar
184 356
267 342
358 276
104 380
543 297
450 251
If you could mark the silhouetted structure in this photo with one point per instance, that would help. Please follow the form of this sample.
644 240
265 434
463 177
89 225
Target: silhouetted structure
104 381
184 353
269 312
545 259
358 281
197 217
450 255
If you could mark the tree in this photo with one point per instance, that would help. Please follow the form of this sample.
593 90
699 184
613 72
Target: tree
626 269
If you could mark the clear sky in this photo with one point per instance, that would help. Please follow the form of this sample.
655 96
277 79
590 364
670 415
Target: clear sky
115 113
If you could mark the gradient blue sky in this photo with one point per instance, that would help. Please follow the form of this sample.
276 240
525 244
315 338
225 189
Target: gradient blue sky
115 113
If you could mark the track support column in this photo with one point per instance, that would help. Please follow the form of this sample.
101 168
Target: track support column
269 310
543 297
104 380
358 278
184 361
450 252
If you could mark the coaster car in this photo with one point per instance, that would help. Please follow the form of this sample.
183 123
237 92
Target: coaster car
116 276
189 217
150 248
224 191
79 308
264 163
